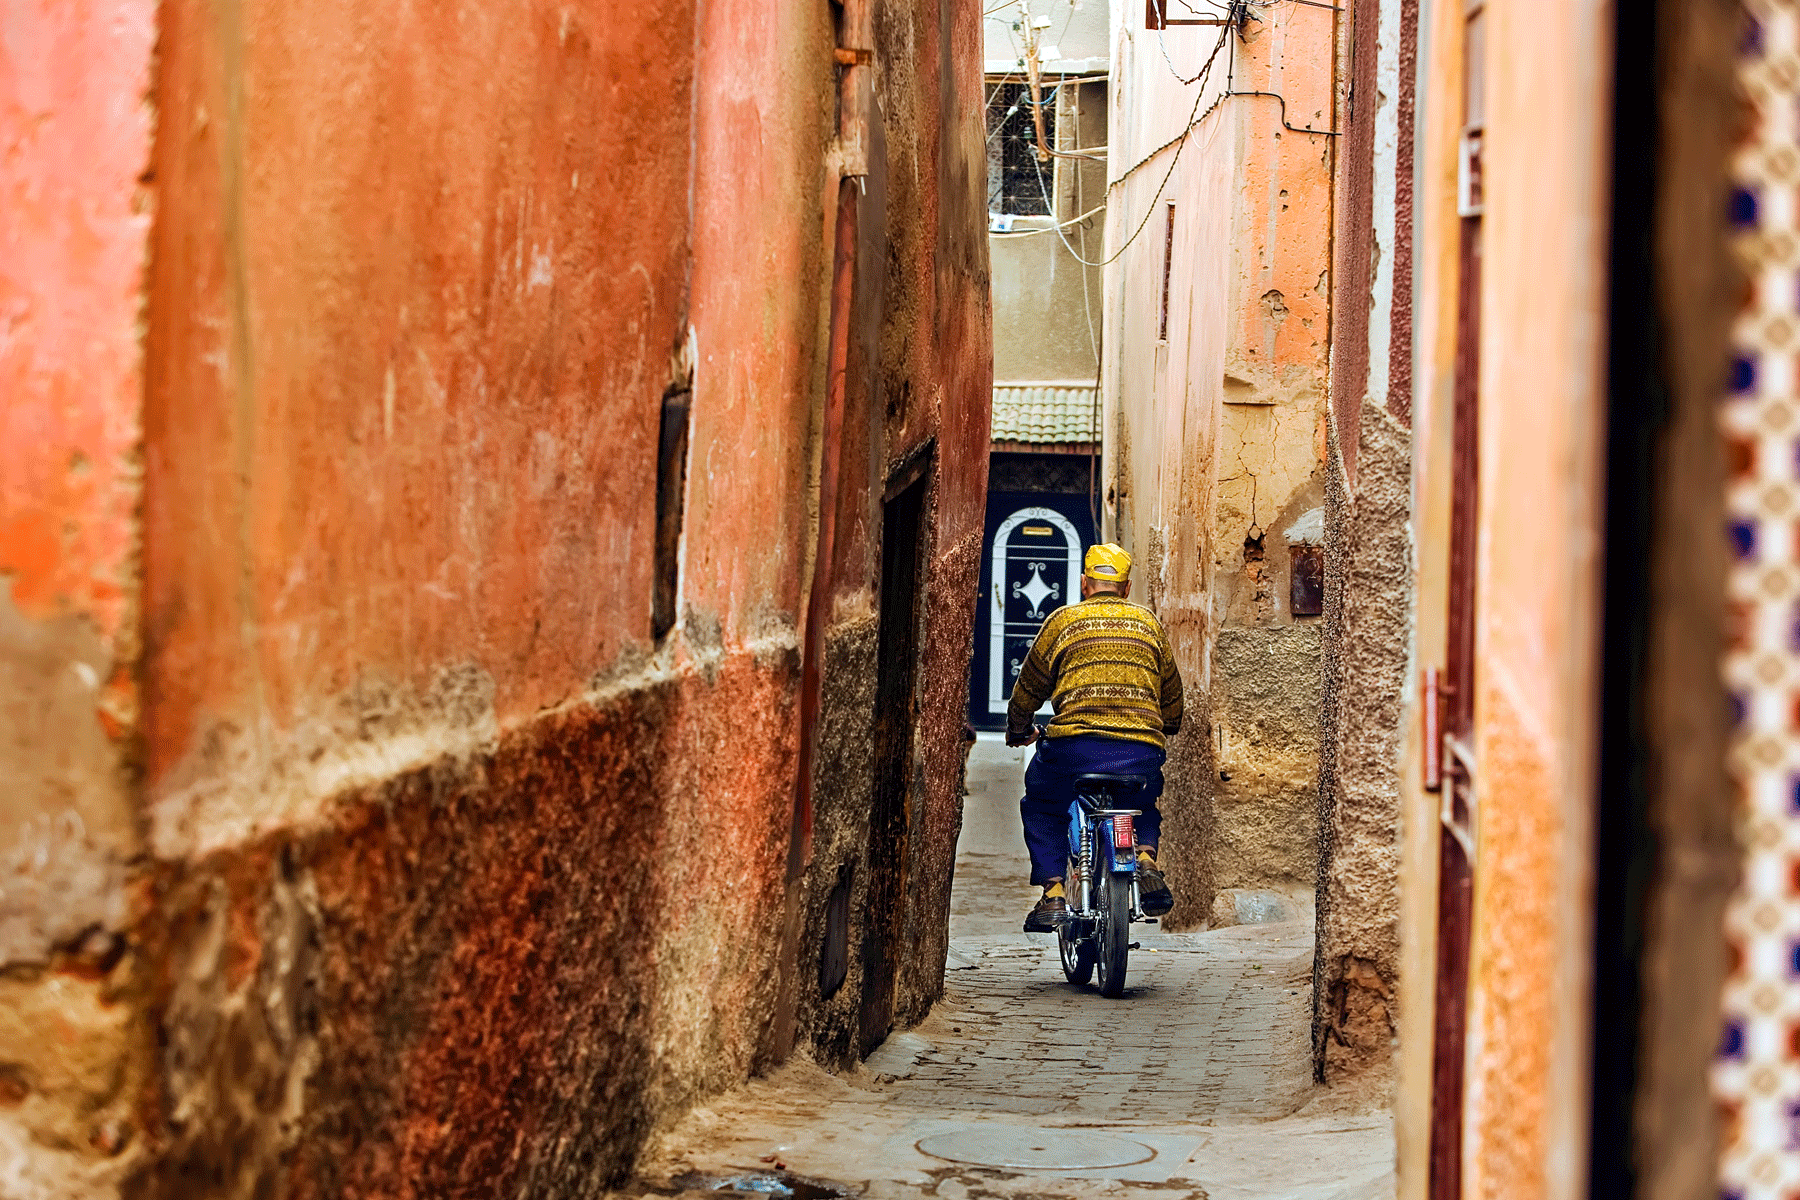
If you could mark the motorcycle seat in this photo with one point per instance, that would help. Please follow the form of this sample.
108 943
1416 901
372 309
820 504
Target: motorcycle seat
1129 783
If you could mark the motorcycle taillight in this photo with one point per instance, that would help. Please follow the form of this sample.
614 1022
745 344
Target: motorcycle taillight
1124 836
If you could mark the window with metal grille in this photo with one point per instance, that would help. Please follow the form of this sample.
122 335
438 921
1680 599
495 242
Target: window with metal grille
1018 184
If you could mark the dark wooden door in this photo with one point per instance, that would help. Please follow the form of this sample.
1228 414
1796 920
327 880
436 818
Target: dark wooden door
1456 834
1456 698
895 720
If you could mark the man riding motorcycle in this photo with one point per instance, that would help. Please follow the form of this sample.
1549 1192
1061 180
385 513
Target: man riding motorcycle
1108 670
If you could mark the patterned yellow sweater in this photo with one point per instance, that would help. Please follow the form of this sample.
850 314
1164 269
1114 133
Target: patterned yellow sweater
1106 667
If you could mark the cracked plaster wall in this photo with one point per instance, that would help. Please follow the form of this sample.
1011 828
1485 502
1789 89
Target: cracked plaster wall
424 863
1269 476
1217 438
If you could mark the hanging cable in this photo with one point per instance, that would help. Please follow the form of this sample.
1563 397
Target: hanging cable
1019 233
1161 8
1179 141
1231 88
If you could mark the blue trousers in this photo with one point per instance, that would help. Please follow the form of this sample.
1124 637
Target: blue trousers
1050 790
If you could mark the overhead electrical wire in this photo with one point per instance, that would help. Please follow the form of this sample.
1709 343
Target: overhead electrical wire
1162 6
1018 233
1179 141
1236 12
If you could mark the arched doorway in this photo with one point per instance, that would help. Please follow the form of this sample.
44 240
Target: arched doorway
1032 566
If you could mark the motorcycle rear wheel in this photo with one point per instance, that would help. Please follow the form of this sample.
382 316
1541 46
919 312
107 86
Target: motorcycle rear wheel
1113 936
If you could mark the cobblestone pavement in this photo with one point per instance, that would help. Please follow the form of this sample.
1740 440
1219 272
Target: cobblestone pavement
1203 1065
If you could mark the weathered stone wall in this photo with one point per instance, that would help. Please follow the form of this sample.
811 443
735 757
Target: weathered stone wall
502 968
1266 722
1367 652
1368 639
430 859
917 400
1190 773
844 770
1190 821
934 820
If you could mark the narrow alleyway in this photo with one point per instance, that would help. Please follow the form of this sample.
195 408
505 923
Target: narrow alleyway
1197 1084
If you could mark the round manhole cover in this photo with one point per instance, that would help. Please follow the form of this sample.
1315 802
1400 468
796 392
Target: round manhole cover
1040 1149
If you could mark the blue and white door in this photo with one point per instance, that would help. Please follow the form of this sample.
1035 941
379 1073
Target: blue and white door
1033 568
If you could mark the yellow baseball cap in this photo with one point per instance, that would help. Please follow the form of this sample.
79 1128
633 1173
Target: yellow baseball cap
1107 562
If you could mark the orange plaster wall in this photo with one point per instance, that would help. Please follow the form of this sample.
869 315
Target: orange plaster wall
1253 204
410 327
1282 225
760 262
1543 298
1542 461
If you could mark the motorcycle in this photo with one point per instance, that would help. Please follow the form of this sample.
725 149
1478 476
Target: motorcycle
1103 886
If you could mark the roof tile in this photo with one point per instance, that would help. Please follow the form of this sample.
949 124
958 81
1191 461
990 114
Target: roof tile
1046 413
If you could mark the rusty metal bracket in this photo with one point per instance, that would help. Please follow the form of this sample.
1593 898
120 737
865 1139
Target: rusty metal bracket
1156 16
1434 737
849 156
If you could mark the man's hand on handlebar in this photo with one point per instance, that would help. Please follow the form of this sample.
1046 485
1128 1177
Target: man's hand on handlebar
1024 739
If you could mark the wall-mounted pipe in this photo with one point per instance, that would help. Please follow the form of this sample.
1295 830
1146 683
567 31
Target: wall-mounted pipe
855 57
818 602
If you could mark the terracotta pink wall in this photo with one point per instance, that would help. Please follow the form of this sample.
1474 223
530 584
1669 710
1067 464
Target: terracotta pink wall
446 852
1282 220
411 324
761 265
75 126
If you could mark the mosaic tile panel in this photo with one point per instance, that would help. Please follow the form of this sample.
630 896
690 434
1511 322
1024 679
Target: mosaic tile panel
1757 1077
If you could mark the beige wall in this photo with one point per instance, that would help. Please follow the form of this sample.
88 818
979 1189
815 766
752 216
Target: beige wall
1047 305
1216 430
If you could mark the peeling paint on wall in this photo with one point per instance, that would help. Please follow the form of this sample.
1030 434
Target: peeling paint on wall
1224 419
424 855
